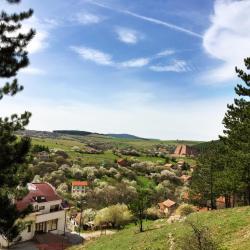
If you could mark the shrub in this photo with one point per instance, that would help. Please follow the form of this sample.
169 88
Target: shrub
185 209
43 168
60 160
117 216
62 188
39 148
153 213
199 237
62 153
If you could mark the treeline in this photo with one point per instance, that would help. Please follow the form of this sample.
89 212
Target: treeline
72 132
223 169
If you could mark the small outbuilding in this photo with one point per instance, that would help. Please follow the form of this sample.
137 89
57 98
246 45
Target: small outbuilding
167 206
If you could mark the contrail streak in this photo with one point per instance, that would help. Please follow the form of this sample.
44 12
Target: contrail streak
149 19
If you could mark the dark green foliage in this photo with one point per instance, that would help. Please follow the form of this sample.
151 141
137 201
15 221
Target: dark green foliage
13 55
39 148
223 168
237 128
203 147
205 176
13 151
72 132
9 229
140 203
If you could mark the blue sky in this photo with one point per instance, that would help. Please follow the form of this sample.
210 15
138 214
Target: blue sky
154 68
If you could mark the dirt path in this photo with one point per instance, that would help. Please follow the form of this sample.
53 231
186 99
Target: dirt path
96 234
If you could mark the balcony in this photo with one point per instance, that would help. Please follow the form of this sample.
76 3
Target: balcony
50 216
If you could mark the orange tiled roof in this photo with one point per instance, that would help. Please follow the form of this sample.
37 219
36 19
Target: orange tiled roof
79 183
168 203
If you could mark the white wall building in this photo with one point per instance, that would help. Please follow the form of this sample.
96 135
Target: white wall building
48 212
79 186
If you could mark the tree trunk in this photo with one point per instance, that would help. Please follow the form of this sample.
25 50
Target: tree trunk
234 198
141 227
227 201
212 198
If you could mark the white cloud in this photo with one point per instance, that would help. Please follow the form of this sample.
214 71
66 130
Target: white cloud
94 55
129 36
227 39
102 58
43 28
32 71
176 66
167 52
135 63
88 18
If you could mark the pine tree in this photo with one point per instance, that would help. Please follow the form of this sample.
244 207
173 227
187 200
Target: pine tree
237 128
13 151
205 176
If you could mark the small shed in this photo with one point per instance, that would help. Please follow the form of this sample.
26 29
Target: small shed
167 206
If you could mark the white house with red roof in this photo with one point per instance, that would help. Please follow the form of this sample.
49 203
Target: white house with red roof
48 212
79 186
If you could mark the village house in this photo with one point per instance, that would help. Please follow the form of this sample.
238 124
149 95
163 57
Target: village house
122 162
79 186
49 212
168 206
184 150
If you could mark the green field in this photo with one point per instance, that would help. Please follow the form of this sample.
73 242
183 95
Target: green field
67 142
231 228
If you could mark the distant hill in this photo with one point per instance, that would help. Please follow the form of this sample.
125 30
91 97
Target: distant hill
85 133
73 132
125 136
104 137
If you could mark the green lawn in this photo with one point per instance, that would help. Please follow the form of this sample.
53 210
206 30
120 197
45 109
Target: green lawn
230 226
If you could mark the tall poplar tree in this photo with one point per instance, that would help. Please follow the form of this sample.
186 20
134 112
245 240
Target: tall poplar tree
237 129
13 151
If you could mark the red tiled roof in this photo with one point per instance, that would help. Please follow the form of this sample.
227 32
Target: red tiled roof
79 183
122 162
168 203
37 190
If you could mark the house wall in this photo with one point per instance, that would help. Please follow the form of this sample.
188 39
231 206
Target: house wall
47 205
25 235
79 189
40 216
60 215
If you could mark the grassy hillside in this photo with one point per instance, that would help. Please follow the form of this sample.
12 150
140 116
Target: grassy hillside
67 142
230 226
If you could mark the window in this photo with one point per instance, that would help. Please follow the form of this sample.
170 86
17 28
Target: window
52 225
41 208
29 228
41 227
54 208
